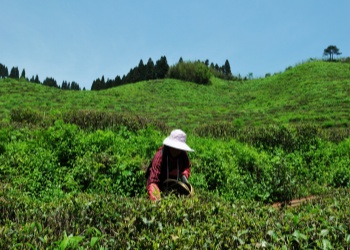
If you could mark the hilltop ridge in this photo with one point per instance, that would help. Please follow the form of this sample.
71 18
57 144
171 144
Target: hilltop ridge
316 92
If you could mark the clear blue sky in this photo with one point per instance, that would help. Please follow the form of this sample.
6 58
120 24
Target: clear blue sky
82 40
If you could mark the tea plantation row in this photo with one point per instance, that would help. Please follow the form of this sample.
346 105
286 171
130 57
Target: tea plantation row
101 221
50 162
67 187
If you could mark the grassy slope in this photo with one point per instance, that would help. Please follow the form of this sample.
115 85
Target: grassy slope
313 91
310 92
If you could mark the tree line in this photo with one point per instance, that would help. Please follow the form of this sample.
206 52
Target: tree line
158 70
48 81
142 72
161 70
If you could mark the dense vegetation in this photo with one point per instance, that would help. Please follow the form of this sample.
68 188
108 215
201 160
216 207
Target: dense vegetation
72 163
141 72
313 92
48 81
61 158
103 221
190 71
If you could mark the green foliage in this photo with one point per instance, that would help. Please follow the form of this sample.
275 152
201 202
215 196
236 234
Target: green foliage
50 82
341 165
89 119
314 92
63 158
161 67
72 163
288 137
330 51
14 73
341 177
203 222
4 72
85 119
190 71
26 116
31 168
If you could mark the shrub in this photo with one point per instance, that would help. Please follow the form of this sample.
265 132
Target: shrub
278 165
100 221
26 116
341 164
85 119
341 177
63 140
190 71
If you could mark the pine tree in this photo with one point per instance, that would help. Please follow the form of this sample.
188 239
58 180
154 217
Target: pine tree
330 51
141 71
161 68
74 86
94 85
117 81
64 85
216 67
37 79
98 84
150 74
109 83
23 74
103 83
51 82
3 71
227 68
14 73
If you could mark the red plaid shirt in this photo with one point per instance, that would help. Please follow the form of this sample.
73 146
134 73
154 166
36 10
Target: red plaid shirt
159 171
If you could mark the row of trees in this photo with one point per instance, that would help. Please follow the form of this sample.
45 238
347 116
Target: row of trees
14 73
141 72
158 70
48 81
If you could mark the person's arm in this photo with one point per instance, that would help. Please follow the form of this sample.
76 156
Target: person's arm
154 177
153 192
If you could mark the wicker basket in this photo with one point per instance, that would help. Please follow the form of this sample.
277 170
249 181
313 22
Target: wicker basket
178 187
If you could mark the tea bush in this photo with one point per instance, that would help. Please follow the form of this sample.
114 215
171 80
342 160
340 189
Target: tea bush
85 119
287 137
341 164
65 187
235 171
203 222
64 158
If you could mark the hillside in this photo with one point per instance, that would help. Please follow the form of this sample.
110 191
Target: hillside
317 92
62 187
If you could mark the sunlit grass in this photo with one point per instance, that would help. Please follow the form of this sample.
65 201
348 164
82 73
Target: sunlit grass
315 92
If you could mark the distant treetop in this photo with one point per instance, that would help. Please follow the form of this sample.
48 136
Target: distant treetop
330 51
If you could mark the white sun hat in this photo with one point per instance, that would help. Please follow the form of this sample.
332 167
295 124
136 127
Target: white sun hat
177 139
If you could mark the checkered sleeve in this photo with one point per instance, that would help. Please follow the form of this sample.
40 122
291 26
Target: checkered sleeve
154 177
